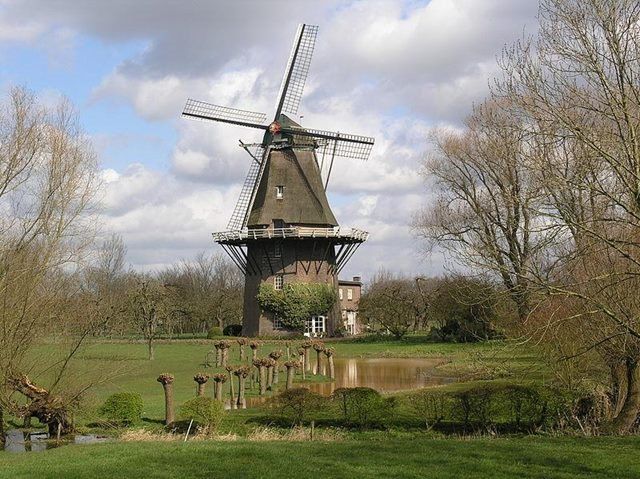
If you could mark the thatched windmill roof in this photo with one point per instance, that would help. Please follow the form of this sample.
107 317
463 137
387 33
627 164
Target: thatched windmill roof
303 201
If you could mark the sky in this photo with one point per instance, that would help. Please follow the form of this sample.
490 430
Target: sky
389 69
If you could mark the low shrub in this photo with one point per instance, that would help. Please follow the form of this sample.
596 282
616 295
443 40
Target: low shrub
205 411
474 406
232 330
431 407
508 407
123 408
214 332
363 407
297 404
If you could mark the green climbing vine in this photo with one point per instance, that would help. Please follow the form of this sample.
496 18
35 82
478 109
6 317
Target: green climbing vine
297 302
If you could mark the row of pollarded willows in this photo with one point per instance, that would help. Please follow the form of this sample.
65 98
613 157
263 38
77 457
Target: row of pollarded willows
222 347
264 373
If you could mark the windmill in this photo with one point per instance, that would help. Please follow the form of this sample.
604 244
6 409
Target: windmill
282 229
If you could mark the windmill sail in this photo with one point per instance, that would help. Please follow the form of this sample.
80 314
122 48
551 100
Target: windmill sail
206 111
295 75
337 144
238 218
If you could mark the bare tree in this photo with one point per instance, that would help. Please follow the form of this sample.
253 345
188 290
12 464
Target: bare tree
206 291
485 212
47 183
149 307
394 303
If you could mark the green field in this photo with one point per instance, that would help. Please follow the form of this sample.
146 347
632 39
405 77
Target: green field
127 368
526 457
404 449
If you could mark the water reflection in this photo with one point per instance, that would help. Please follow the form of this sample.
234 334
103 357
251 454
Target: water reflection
382 374
37 441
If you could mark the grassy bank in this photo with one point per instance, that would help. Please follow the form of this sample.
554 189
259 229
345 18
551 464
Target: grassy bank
399 458
131 371
127 369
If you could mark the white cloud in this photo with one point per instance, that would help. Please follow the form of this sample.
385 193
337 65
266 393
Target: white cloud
389 69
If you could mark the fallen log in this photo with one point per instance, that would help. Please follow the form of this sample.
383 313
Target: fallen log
49 409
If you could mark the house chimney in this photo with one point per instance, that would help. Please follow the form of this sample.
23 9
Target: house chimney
357 279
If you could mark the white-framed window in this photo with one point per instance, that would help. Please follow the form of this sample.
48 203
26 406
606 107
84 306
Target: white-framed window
315 326
277 323
349 321
279 192
340 293
278 281
349 294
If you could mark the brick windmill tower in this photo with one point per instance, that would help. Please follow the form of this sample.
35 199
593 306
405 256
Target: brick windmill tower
282 229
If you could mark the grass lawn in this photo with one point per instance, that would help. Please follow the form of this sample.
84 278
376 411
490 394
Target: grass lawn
129 369
528 457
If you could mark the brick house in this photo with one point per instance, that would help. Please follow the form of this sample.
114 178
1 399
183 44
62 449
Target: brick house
349 292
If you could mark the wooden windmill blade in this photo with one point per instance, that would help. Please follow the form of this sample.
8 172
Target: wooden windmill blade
295 75
337 144
247 194
206 111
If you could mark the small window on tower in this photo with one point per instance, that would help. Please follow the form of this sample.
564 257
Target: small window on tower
278 282
349 294
279 192
340 293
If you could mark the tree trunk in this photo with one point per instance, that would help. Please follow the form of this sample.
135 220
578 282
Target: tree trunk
619 388
288 352
269 377
2 439
307 360
232 393
242 352
263 380
276 373
152 353
629 411
332 369
241 382
318 362
217 391
225 356
169 413
290 377
218 357
200 389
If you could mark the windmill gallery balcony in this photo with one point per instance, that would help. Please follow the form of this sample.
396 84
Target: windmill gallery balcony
341 235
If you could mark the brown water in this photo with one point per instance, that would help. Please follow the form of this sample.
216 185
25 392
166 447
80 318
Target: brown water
381 374
36 441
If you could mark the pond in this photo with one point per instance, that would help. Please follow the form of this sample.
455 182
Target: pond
386 375
382 374
25 441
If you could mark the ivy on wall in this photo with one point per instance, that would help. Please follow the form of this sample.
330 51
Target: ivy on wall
297 302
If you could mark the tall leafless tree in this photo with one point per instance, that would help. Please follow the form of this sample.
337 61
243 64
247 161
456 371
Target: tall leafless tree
47 186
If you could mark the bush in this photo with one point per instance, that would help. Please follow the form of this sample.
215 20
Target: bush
474 406
205 411
431 407
125 408
232 330
464 310
297 404
364 407
214 332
